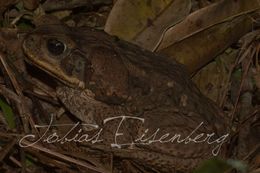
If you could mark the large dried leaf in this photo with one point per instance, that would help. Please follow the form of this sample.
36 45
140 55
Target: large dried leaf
206 17
144 21
213 79
201 48
207 32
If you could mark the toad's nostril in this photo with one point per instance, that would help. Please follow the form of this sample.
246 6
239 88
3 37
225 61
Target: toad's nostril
30 42
31 45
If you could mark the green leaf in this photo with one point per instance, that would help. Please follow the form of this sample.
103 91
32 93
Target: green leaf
238 165
216 165
8 114
29 160
213 166
19 6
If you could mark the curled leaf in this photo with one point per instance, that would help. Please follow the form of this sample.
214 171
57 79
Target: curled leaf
143 22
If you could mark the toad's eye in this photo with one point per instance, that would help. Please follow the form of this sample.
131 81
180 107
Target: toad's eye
55 47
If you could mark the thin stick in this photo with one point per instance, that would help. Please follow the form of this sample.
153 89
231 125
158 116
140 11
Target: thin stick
64 157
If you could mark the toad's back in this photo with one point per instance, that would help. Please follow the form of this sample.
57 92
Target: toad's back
142 83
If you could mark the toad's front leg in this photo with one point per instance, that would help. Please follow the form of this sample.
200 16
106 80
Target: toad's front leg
83 105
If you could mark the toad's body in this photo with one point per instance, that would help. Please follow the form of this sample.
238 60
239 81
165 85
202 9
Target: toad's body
103 77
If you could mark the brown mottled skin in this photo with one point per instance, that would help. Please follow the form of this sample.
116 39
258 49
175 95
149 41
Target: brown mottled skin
102 76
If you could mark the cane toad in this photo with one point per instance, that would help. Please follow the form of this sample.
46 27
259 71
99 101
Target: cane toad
102 76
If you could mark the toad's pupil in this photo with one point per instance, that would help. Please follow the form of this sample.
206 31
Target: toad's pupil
55 47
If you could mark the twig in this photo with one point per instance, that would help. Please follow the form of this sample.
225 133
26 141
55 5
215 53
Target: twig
11 75
5 150
66 158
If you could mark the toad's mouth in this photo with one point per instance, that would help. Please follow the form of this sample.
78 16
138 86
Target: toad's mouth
52 69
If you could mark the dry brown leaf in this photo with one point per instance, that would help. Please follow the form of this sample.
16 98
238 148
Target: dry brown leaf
206 17
143 22
212 31
31 4
50 5
201 48
213 79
